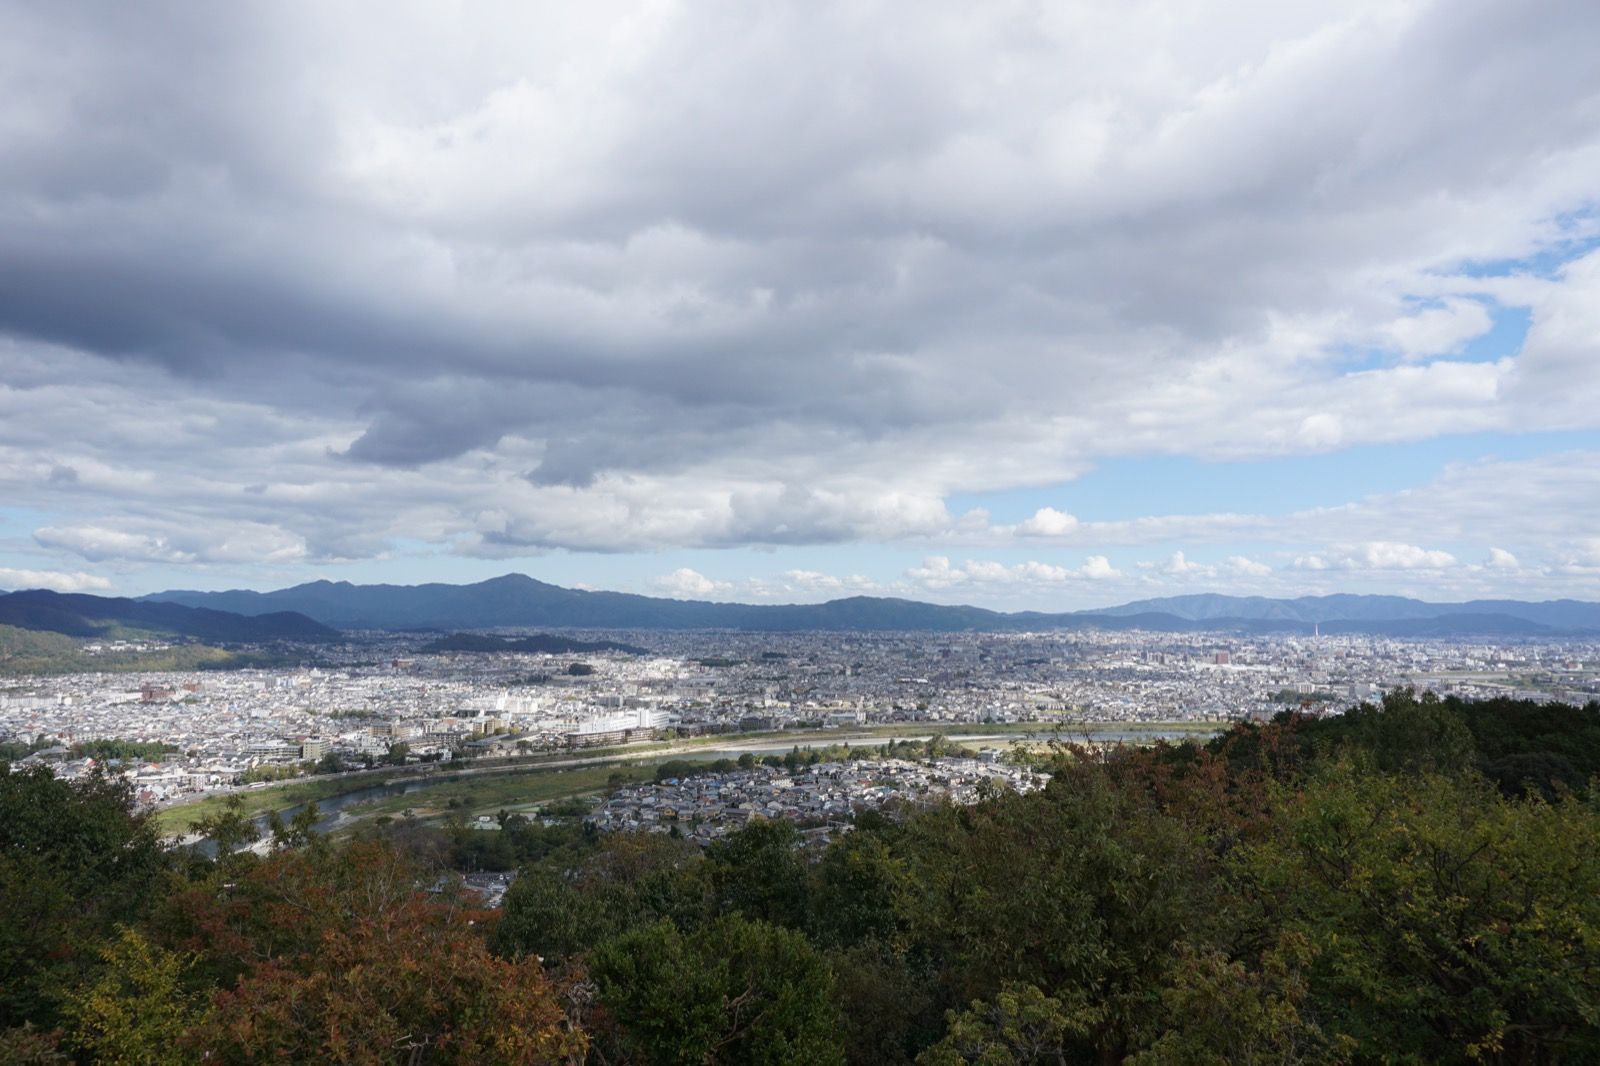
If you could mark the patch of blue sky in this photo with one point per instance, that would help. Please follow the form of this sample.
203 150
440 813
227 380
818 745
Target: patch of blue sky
18 549
23 517
1353 359
631 571
410 562
1504 338
1579 235
1135 487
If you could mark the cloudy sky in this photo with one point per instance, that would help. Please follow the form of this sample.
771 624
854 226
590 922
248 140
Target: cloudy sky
1025 305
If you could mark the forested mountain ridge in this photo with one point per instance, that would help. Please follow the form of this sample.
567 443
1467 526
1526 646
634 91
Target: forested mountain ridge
82 615
516 600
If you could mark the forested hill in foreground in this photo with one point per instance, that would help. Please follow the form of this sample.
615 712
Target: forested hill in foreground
80 615
515 600
1416 882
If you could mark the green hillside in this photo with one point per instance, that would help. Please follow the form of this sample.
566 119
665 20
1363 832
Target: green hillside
27 651
80 615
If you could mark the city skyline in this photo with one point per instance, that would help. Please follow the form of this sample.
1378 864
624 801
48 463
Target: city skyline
1019 309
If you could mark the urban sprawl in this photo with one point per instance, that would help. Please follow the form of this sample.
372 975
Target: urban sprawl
379 700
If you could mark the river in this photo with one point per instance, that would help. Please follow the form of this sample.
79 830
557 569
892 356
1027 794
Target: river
332 808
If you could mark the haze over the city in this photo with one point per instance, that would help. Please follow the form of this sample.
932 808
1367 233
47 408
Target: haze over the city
1018 306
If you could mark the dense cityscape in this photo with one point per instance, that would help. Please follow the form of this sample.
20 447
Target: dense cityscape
368 700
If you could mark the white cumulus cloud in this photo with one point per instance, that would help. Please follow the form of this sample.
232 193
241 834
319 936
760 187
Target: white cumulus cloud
1048 522
54 580
1500 559
1440 330
1247 567
938 572
1099 568
687 583
1378 555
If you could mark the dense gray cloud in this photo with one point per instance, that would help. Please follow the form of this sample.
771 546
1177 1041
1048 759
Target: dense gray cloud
292 282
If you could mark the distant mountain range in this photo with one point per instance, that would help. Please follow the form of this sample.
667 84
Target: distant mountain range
1559 614
78 615
515 601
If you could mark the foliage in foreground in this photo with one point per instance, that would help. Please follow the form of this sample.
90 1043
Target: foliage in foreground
1415 882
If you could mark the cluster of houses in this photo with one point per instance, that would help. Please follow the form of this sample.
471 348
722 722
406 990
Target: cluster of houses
153 780
820 798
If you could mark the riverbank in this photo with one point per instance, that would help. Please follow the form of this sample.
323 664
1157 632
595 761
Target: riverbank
522 787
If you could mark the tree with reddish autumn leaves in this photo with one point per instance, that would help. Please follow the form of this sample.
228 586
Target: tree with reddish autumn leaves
343 958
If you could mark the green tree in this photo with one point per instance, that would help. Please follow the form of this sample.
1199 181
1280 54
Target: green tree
565 905
138 1010
108 748
887 1003
760 872
1080 892
76 858
1217 1011
854 888
1019 1025
547 916
735 991
1410 734
1448 923
1525 746
299 832
228 830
